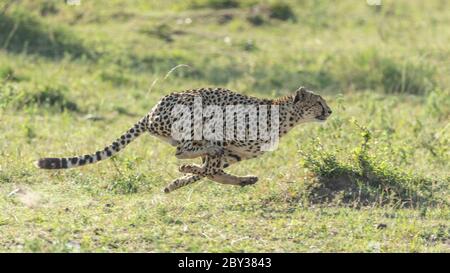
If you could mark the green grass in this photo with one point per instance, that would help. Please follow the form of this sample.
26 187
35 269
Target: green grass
25 33
374 178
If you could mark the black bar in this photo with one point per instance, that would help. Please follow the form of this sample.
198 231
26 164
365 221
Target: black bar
223 262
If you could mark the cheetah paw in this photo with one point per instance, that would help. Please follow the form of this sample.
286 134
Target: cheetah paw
188 168
185 168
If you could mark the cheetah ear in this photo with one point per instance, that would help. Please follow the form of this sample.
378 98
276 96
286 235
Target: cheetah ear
300 94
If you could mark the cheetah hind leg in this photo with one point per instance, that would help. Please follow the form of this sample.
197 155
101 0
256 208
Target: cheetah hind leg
220 176
225 178
181 182
213 168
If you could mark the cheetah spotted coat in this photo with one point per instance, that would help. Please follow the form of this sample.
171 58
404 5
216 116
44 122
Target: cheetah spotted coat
218 154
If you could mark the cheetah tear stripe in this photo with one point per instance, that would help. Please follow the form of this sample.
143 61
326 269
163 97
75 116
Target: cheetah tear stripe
116 146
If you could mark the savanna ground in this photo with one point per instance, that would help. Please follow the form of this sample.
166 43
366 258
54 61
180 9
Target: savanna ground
375 177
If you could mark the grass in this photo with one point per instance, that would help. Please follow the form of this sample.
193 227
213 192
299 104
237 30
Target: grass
373 178
42 97
26 33
367 180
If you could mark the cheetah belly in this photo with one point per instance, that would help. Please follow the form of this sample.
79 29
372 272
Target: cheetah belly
244 152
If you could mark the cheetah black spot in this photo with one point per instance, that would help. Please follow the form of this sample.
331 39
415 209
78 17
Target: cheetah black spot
88 159
64 163
238 158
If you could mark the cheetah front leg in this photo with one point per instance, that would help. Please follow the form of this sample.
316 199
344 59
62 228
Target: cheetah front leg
181 182
192 149
192 168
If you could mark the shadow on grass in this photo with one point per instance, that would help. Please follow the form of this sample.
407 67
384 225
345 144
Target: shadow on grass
23 33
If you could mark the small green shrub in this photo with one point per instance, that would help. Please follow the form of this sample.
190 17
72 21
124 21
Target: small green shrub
215 4
8 94
49 97
406 77
8 74
21 32
438 104
115 75
128 184
281 11
161 62
248 45
366 180
260 14
23 176
215 69
438 145
256 19
45 97
124 185
373 70
439 233
5 178
162 31
220 72
275 77
48 8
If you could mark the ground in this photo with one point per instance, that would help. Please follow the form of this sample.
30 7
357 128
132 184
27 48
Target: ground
373 178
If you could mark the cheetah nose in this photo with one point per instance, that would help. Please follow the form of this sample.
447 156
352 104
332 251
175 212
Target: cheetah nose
329 111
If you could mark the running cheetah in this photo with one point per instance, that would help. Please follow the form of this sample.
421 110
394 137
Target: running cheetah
181 118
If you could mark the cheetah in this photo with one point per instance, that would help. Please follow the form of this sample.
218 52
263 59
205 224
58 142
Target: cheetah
239 140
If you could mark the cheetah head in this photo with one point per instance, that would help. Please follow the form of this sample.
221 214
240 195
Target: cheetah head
308 106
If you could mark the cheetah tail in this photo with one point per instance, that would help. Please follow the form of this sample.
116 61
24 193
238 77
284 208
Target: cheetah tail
116 146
